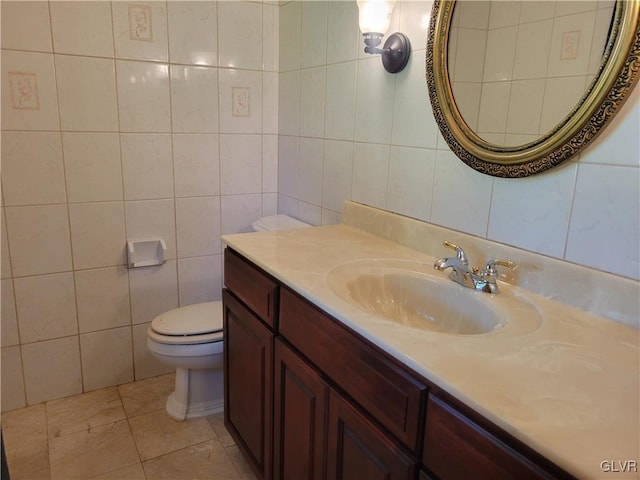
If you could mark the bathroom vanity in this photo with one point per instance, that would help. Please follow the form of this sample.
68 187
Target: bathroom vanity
315 388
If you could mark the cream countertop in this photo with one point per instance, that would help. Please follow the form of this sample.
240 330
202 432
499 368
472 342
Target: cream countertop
569 389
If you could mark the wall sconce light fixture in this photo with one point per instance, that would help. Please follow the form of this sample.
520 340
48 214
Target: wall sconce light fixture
375 16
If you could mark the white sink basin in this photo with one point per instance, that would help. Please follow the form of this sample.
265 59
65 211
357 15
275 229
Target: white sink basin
415 296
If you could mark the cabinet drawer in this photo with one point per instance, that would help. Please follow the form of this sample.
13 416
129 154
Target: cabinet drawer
381 387
251 285
456 447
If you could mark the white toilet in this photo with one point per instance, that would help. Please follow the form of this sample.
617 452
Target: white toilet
190 339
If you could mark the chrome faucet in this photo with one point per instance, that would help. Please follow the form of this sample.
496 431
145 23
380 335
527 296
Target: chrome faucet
484 280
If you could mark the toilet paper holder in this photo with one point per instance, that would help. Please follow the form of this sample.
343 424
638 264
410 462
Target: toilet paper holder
145 253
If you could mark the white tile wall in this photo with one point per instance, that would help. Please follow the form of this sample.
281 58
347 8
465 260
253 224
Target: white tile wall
97 234
147 219
52 369
82 28
196 165
200 279
340 105
33 169
370 172
9 318
193 28
45 305
374 118
198 226
585 211
26 26
240 35
409 189
114 134
13 394
38 239
146 166
312 101
313 33
93 166
87 93
140 30
194 99
34 107
154 290
143 96
102 296
116 345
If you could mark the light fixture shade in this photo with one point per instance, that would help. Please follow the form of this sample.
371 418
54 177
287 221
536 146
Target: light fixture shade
375 15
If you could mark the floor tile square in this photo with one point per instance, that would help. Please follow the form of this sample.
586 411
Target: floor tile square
92 452
240 463
24 432
146 395
157 434
84 412
217 423
132 472
204 460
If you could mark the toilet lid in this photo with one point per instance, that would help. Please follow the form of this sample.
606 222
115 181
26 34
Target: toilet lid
197 319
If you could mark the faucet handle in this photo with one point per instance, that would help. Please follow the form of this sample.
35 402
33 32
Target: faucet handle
490 267
459 251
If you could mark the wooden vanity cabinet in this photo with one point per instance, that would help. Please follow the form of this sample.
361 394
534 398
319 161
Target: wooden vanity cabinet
250 307
308 398
248 384
379 385
320 434
328 385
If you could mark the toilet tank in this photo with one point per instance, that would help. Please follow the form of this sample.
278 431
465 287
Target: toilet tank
277 222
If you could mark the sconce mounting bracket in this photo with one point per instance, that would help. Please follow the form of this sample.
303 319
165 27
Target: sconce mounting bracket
396 52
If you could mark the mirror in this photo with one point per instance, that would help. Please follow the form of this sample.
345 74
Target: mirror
518 87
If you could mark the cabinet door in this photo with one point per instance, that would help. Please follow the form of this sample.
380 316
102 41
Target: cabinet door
389 393
455 447
358 450
301 401
248 384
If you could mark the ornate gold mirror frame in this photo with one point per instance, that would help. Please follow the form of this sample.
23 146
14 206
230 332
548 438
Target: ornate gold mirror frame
615 79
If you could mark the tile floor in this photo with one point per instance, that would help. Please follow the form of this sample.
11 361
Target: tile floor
118 433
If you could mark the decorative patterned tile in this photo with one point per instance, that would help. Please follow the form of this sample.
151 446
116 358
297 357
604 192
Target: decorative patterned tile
29 99
140 23
24 91
140 30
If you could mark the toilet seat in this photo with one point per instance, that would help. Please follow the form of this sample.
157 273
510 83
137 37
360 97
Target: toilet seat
193 324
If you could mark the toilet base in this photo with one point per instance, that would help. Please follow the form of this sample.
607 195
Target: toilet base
180 411
198 393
